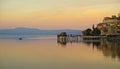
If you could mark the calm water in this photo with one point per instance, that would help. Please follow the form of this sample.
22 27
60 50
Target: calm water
44 52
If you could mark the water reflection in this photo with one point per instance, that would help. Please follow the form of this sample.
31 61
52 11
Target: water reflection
108 48
64 41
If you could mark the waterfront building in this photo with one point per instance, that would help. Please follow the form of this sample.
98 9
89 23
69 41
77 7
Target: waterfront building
110 25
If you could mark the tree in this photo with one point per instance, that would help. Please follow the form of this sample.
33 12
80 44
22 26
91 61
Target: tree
96 32
93 27
63 34
87 32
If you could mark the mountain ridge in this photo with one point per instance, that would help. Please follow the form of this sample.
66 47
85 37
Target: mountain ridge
35 31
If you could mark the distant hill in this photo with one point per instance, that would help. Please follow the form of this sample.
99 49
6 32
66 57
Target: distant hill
33 31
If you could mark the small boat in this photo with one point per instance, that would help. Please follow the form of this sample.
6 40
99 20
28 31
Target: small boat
20 38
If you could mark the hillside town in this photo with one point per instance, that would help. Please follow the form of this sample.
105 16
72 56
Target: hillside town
109 26
109 29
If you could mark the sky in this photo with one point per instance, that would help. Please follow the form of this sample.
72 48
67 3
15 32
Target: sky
55 14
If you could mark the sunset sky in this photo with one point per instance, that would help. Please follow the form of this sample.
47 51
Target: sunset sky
55 14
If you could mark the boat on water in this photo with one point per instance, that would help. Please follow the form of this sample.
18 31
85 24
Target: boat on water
20 38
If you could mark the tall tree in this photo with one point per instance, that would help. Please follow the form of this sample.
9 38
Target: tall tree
96 32
93 27
87 32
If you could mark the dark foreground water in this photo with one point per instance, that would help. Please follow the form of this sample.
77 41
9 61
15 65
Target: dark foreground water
43 52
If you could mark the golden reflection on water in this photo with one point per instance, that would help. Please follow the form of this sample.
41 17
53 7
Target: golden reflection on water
48 54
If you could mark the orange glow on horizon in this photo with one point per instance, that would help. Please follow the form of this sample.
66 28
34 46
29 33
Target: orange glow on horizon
68 16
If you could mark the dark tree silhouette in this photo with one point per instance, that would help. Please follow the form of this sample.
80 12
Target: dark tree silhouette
87 32
93 27
63 34
96 32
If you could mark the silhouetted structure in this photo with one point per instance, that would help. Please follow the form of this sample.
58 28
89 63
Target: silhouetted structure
87 32
20 38
63 38
92 32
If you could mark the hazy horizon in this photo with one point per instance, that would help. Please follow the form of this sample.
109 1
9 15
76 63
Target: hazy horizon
55 14
35 28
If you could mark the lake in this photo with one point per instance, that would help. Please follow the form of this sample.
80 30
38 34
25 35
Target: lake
44 52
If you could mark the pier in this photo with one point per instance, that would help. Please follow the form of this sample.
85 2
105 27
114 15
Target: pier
113 37
78 37
69 38
93 37
64 38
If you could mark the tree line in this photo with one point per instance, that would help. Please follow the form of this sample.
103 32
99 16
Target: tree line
92 32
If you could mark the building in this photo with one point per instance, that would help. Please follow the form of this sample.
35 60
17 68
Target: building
110 25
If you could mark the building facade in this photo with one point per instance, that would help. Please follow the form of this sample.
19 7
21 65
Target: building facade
110 25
